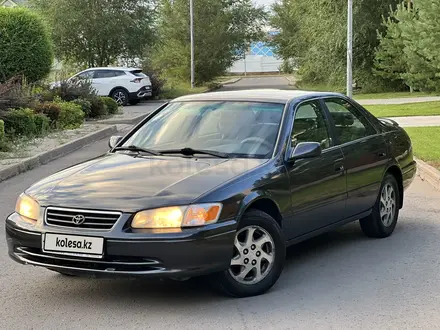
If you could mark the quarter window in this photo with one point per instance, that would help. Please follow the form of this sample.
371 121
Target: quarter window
350 125
310 125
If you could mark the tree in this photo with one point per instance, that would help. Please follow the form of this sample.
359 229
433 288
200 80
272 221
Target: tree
222 28
390 60
25 45
98 33
313 33
421 36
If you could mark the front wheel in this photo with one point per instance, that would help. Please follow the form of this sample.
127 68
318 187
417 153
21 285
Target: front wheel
258 257
383 219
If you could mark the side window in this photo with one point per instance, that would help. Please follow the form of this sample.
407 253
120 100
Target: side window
310 125
103 74
118 73
86 75
350 125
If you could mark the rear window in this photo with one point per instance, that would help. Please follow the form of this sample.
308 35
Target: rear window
138 73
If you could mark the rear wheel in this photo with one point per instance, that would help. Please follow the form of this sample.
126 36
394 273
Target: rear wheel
258 257
383 219
120 96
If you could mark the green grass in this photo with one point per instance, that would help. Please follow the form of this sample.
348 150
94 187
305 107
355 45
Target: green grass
179 89
425 144
360 95
407 109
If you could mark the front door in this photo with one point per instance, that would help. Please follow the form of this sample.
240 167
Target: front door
317 185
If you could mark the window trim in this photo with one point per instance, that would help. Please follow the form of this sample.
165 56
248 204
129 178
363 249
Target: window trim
323 99
327 118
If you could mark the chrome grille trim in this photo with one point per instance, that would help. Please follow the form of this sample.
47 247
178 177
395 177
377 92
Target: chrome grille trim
94 220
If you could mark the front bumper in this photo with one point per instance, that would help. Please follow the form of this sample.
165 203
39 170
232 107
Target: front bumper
197 252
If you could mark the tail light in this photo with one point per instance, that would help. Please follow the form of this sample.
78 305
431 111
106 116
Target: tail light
137 80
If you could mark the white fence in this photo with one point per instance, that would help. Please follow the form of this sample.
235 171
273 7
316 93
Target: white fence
256 63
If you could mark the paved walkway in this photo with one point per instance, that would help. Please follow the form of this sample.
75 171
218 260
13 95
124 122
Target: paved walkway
416 121
401 100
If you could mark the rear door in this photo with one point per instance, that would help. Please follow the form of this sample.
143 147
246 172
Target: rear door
104 81
365 153
317 185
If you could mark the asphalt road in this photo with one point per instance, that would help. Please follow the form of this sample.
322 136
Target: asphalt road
340 280
259 83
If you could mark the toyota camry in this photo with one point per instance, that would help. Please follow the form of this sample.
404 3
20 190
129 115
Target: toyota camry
217 185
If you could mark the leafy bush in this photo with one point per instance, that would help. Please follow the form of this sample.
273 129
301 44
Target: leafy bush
71 115
20 122
42 124
15 93
157 83
69 90
50 109
85 105
98 108
2 136
25 45
111 105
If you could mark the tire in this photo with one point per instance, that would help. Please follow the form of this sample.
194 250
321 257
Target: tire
379 225
259 223
120 95
134 102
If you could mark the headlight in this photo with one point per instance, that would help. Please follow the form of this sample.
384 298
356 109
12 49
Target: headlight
27 207
177 216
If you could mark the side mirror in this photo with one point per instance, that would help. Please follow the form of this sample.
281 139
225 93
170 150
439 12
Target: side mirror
114 140
306 150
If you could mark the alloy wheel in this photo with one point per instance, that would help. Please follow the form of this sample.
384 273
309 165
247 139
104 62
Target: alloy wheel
387 204
254 255
119 97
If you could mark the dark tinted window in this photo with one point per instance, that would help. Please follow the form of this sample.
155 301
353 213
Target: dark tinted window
310 125
119 73
104 74
86 75
349 123
138 73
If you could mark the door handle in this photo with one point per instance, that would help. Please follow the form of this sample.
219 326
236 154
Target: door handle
382 154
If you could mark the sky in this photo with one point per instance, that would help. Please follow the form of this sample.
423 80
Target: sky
264 2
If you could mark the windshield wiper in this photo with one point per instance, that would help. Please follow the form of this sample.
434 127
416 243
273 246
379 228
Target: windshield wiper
192 152
138 149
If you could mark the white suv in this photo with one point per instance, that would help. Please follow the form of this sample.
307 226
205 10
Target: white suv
124 85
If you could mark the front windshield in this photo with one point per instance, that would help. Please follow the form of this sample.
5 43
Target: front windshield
238 129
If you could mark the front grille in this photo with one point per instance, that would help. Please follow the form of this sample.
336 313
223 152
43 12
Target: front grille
77 218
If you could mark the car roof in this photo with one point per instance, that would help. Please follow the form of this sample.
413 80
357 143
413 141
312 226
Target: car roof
116 68
256 95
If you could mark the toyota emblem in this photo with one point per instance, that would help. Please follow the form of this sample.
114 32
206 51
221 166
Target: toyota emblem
78 219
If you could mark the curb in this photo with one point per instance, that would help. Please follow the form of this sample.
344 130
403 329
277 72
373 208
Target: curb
428 173
232 81
30 163
291 81
125 121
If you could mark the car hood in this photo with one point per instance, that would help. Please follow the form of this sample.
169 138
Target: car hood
122 182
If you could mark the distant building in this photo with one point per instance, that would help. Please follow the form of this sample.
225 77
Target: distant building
259 58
